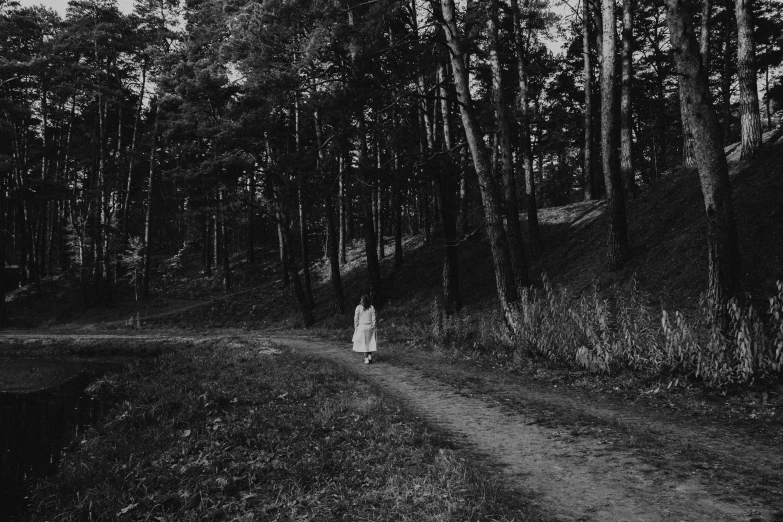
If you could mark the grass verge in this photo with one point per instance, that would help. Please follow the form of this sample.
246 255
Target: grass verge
234 430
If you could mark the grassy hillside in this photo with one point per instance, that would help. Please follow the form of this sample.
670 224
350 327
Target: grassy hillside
667 232
667 235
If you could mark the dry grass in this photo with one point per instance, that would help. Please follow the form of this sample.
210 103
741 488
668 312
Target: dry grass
229 431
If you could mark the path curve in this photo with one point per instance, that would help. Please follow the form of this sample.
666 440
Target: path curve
574 479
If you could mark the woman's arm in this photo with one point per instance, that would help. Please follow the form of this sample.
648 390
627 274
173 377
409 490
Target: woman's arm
372 316
356 315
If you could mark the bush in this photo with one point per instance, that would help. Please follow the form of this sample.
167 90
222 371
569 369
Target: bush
592 333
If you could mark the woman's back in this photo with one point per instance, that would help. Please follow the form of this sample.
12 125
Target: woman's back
365 314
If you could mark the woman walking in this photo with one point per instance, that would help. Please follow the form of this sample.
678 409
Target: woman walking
364 329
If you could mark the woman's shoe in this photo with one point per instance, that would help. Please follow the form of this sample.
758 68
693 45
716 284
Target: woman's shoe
366 360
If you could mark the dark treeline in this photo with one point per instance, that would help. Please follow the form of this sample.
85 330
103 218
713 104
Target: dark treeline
223 126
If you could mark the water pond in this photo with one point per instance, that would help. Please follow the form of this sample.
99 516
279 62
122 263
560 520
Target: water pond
36 427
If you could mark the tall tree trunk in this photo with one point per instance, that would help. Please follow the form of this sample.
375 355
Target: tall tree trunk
3 234
216 239
660 120
145 286
513 226
397 209
226 257
767 97
728 31
750 119
446 185
723 251
490 193
305 250
617 238
688 153
301 298
462 220
303 235
341 203
688 146
334 261
365 200
284 257
379 205
627 171
524 131
588 168
251 218
98 231
132 154
207 244
704 34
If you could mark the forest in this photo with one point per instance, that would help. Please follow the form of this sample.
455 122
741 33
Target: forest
532 194
223 127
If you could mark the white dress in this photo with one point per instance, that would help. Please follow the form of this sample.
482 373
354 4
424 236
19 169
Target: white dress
364 330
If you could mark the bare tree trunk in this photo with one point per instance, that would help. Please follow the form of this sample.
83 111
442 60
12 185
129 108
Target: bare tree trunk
365 200
617 238
397 209
688 154
251 218
490 193
589 173
727 73
767 97
207 244
524 132
99 275
303 236
627 171
226 247
660 129
723 251
3 233
463 190
379 204
704 34
283 245
445 190
513 226
341 203
215 240
334 261
301 298
145 285
750 119
305 251
132 155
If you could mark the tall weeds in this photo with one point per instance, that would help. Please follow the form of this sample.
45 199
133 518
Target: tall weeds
603 336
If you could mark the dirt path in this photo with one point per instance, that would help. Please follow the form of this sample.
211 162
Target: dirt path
573 478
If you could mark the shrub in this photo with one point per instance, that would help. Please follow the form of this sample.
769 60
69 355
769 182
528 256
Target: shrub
592 333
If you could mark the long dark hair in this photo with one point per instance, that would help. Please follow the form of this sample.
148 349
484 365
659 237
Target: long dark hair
365 300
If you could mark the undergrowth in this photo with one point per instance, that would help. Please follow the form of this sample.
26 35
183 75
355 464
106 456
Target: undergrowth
603 336
230 430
